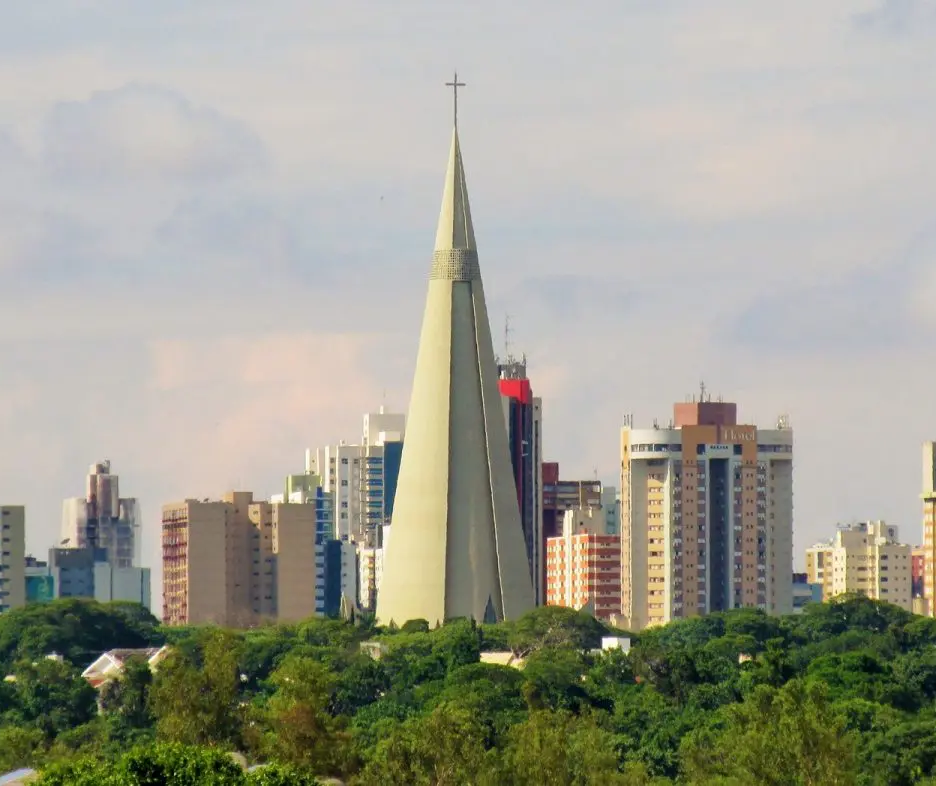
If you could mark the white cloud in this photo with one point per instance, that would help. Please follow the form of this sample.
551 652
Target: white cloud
140 132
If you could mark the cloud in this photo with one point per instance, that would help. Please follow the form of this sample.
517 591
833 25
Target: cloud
147 132
245 407
866 310
900 18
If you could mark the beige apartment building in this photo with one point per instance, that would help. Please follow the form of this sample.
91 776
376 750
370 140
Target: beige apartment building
12 557
929 525
706 515
237 562
866 558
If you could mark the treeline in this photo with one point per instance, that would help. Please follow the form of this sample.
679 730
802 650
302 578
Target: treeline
842 694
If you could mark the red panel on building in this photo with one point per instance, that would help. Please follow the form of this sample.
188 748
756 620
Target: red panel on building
550 472
518 389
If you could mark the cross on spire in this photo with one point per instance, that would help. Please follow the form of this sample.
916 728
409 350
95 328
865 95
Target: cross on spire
455 84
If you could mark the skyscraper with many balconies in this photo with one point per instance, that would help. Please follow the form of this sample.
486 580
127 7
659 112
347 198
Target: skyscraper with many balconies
706 515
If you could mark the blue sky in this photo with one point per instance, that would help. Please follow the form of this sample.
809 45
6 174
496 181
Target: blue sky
216 222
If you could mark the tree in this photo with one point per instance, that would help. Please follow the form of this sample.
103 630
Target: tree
301 730
19 747
200 704
775 738
52 696
554 627
79 630
126 698
554 680
445 748
362 682
280 775
560 749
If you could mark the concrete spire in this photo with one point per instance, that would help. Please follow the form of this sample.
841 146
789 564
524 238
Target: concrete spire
455 228
456 545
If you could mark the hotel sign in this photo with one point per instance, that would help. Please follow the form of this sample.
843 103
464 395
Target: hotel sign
734 435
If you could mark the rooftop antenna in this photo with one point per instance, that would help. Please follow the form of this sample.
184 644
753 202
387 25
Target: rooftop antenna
507 351
702 391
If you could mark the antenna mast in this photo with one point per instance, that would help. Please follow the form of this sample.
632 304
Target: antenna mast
507 351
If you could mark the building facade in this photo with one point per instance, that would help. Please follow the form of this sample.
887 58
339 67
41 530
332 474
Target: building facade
86 573
928 497
12 557
239 562
361 479
706 516
583 565
804 593
102 519
611 505
523 416
865 558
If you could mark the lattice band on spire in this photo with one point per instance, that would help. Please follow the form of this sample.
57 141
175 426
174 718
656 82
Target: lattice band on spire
459 264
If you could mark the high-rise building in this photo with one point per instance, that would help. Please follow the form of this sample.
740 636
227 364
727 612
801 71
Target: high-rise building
706 515
523 415
240 562
370 569
560 496
102 519
583 565
867 559
457 543
929 526
12 557
208 561
362 478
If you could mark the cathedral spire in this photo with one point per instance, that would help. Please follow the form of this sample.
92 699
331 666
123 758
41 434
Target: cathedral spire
456 547
455 232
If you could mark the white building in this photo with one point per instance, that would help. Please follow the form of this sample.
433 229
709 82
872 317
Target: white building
866 558
370 568
103 520
611 505
129 584
361 478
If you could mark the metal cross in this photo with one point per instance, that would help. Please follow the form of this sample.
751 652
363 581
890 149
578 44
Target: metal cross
455 85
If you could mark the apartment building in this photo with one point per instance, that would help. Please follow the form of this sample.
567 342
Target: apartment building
864 558
928 549
583 565
238 562
361 478
706 515
12 557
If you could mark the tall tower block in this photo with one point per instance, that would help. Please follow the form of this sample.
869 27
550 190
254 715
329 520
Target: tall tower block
456 547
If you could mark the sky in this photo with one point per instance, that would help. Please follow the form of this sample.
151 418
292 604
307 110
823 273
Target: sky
217 217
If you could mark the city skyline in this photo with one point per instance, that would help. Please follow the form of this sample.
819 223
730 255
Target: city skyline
150 198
